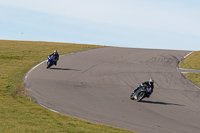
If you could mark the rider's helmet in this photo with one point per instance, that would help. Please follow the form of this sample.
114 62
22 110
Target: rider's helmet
151 81
55 51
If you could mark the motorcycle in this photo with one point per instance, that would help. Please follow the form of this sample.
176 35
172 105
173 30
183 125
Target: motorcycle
141 93
50 62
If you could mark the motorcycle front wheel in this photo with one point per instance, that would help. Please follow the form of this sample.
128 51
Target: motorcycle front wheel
132 96
49 65
140 96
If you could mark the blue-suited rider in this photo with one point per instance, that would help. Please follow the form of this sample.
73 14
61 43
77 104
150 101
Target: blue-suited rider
56 55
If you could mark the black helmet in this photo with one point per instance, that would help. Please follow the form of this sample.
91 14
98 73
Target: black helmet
151 81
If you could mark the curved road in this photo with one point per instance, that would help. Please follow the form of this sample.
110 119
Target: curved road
95 85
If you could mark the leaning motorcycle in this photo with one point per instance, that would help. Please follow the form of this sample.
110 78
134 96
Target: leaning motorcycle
51 60
141 93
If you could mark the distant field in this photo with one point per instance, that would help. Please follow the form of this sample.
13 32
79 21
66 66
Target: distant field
19 113
192 62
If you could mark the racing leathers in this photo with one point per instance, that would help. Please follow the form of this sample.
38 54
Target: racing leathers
145 85
56 55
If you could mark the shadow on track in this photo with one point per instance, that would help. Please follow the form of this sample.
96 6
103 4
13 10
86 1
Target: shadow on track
161 103
65 69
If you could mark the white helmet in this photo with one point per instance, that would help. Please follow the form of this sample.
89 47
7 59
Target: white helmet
55 51
151 81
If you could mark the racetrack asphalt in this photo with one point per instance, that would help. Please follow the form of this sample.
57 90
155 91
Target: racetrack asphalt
95 85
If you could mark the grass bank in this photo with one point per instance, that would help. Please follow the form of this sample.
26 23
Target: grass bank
18 112
192 62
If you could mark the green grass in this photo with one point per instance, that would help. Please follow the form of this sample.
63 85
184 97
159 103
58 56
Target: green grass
193 77
18 112
192 62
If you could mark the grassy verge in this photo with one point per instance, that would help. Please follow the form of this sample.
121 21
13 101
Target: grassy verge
19 113
193 77
192 62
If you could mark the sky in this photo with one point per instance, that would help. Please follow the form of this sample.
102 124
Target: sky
154 24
